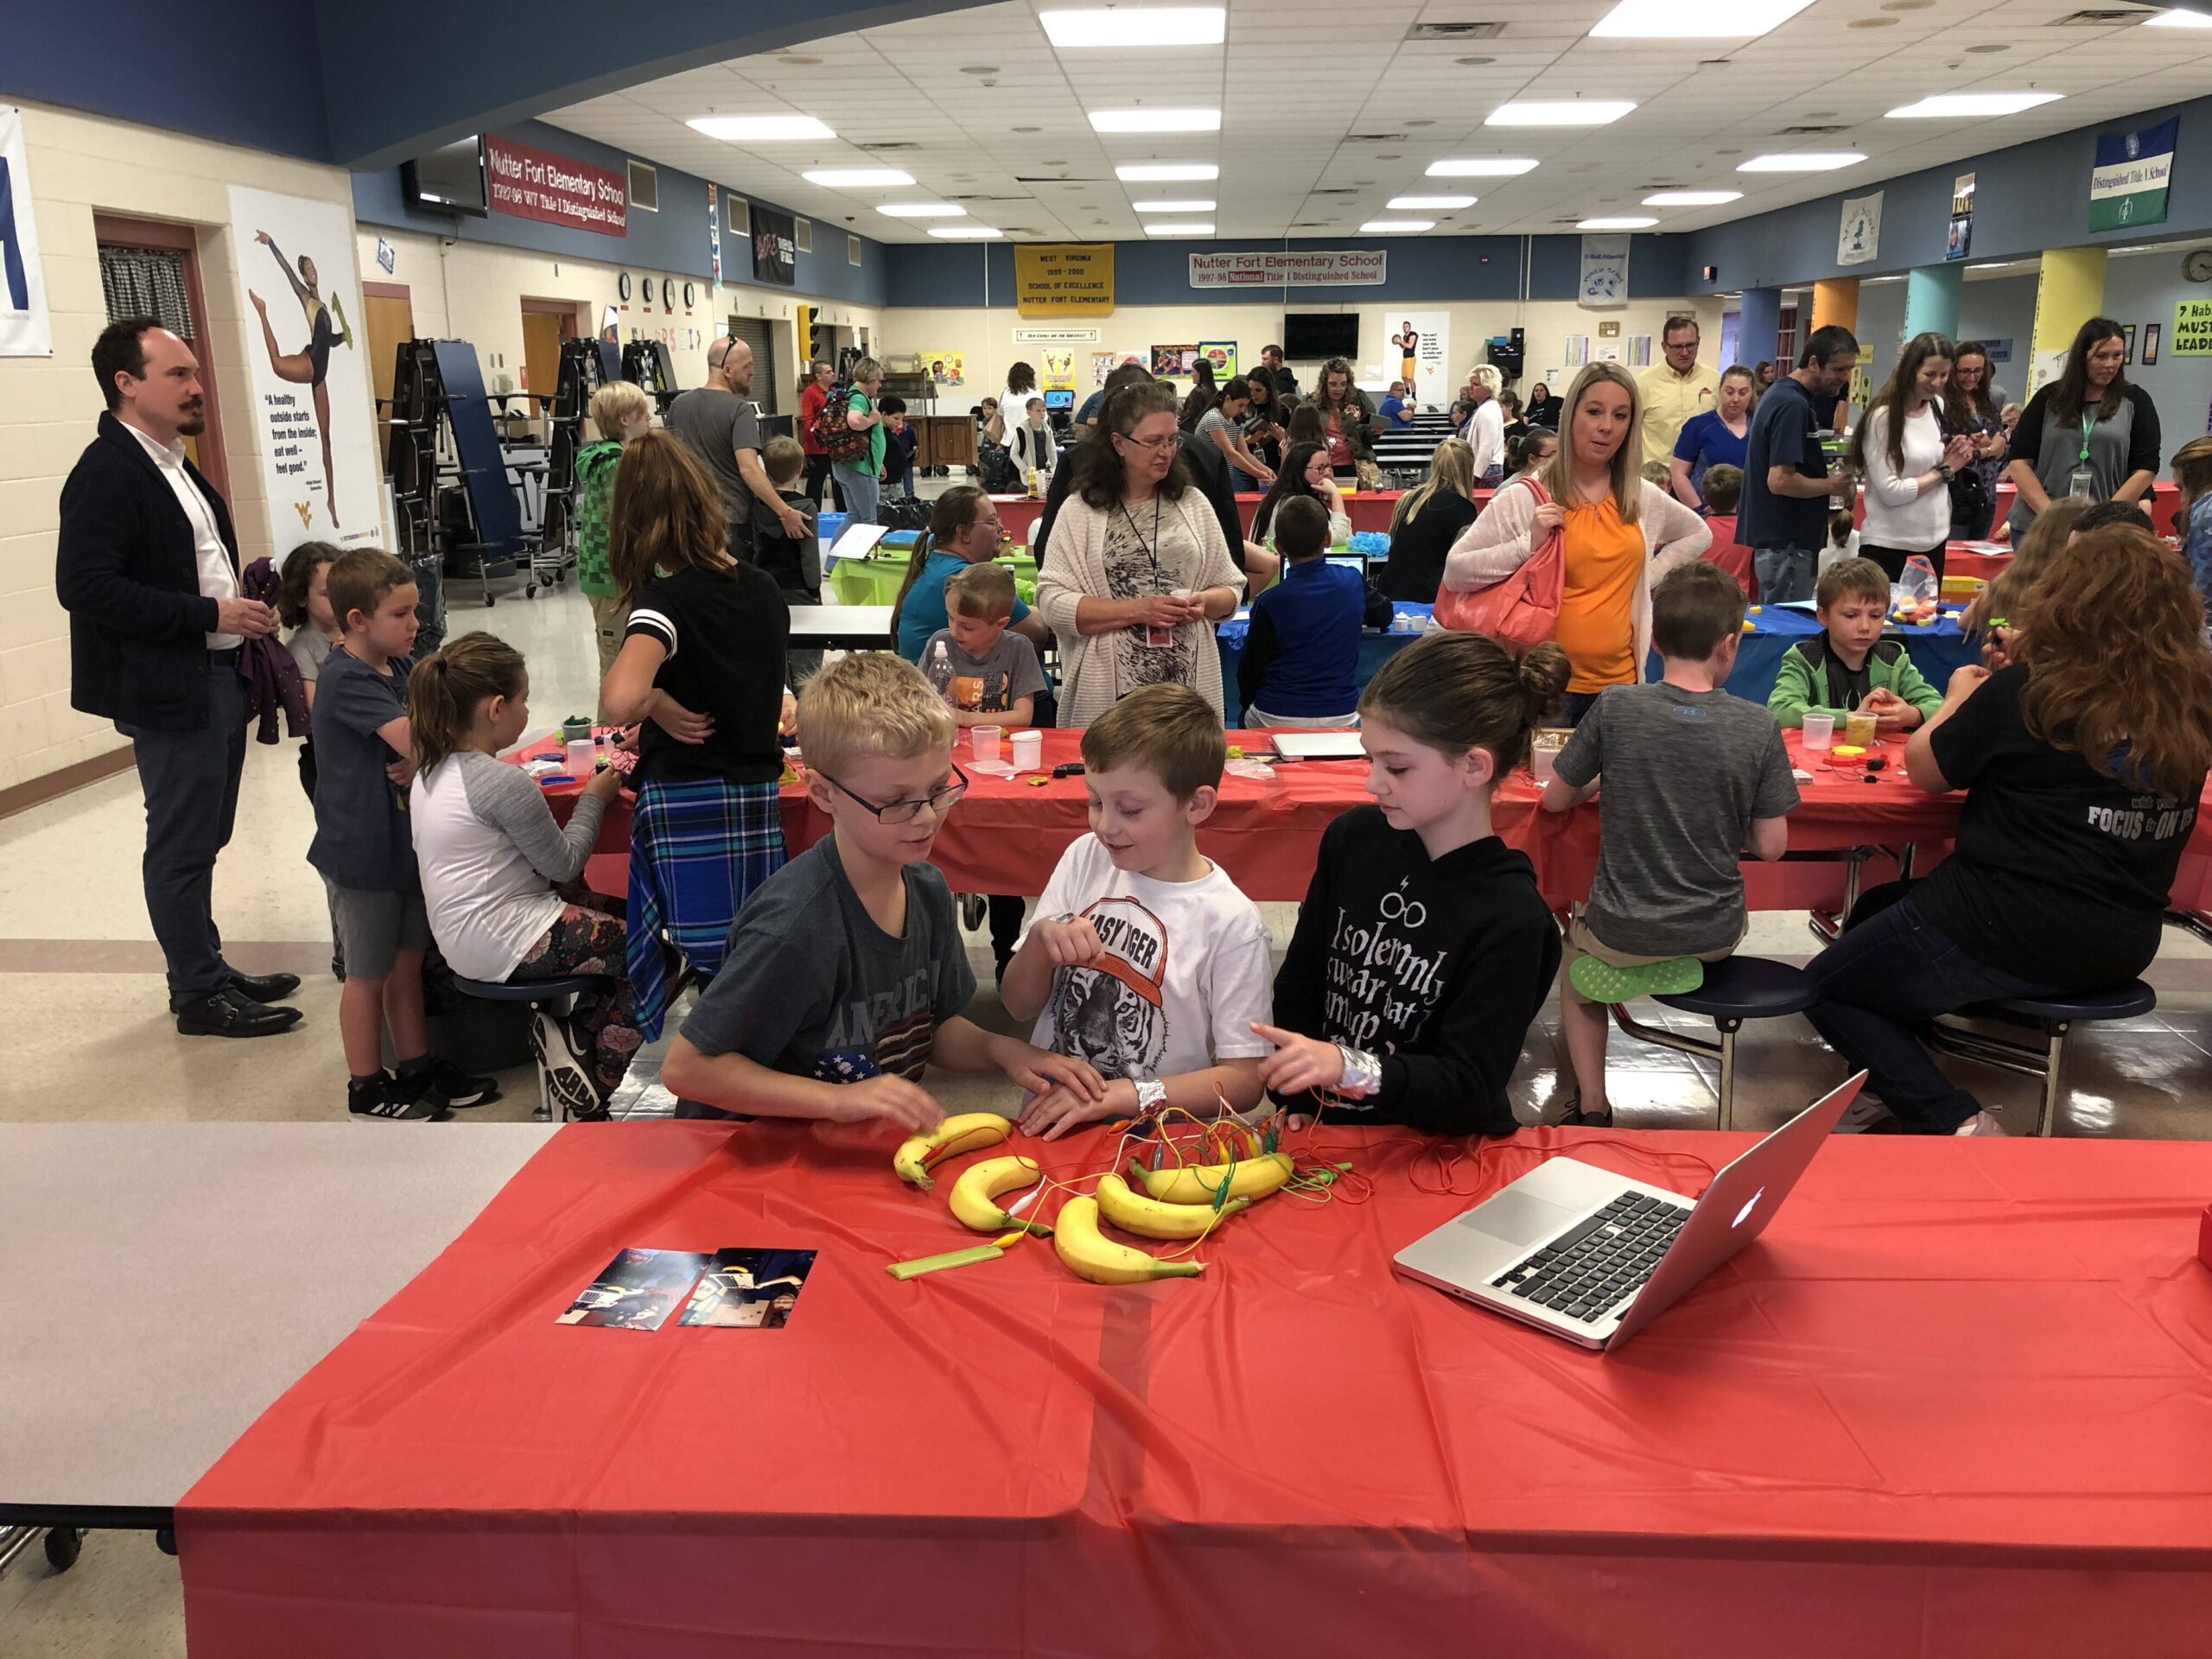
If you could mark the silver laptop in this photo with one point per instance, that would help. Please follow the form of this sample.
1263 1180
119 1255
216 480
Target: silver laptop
1594 1256
1319 745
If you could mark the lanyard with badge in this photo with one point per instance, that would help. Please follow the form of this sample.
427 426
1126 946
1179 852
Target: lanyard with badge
1150 633
2083 481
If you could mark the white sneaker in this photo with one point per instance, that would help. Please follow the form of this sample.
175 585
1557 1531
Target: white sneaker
1979 1123
568 1080
1863 1115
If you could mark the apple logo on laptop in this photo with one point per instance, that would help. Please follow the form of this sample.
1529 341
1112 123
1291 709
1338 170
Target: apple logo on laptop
1750 1204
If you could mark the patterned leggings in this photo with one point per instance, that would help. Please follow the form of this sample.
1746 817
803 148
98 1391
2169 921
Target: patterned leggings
588 938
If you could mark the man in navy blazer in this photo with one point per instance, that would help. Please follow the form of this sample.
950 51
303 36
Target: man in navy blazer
148 569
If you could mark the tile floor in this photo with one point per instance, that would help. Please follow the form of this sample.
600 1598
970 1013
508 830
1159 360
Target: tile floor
92 1040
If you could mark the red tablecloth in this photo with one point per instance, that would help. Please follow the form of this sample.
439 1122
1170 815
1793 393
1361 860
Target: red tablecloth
1959 560
1957 1401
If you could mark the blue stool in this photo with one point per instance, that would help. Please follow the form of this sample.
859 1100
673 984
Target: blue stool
1735 989
545 996
2052 1016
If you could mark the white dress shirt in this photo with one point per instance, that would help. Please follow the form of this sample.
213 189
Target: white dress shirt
217 578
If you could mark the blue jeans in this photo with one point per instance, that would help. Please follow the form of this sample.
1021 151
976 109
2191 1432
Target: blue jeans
1784 573
1894 971
1573 705
861 492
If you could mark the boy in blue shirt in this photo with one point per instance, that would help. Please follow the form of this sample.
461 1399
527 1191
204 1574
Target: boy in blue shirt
1301 666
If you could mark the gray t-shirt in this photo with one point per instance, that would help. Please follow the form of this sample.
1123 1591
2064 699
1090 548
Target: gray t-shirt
1214 421
717 423
361 834
1686 774
993 682
811 986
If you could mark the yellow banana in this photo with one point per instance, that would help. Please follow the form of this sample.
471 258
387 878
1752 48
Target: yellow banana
968 1132
1152 1218
1199 1183
1091 1255
979 1185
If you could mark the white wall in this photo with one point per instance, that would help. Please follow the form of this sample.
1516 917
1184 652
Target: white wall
2142 288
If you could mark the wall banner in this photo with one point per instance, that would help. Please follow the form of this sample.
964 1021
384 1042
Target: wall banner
1858 236
531 183
1074 334
1421 352
1342 268
775 247
2127 185
1605 273
25 329
2192 334
311 412
1064 279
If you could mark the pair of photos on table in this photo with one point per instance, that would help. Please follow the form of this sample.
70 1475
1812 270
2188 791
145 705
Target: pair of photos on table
733 1289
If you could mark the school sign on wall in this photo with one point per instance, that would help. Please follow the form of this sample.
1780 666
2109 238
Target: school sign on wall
2127 186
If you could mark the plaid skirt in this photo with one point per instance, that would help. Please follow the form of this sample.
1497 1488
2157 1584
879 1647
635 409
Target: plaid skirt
697 849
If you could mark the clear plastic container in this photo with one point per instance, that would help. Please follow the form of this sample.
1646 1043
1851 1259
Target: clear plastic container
1820 732
984 741
1028 750
581 757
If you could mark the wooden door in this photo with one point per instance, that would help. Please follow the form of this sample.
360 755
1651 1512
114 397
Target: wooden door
388 319
541 353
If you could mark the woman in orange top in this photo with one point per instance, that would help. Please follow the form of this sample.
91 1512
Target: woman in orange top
1622 534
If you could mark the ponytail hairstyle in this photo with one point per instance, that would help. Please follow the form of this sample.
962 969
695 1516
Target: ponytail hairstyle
445 691
1457 692
299 566
950 514
667 512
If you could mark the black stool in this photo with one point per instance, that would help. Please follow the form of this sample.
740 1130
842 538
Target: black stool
1736 988
2053 1016
545 996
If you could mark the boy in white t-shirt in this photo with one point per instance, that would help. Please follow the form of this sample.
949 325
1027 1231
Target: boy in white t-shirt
1144 960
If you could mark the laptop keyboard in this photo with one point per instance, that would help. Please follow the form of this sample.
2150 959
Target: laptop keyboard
1597 1264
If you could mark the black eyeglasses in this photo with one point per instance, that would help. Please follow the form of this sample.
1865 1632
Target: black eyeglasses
907 811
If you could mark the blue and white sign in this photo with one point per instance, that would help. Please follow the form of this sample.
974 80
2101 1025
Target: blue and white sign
2127 186
1605 273
25 329
1858 238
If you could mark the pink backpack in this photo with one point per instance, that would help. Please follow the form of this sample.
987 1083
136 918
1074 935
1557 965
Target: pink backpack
1521 611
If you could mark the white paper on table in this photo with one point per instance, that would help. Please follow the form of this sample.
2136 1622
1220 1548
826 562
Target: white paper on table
854 543
1809 606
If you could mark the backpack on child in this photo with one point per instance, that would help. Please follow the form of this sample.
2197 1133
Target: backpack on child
1523 609
835 435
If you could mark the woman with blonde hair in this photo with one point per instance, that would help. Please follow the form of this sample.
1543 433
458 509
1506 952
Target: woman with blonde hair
1621 533
1427 522
1486 431
859 478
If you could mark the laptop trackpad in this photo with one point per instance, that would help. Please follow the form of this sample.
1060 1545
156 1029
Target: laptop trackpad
1517 1217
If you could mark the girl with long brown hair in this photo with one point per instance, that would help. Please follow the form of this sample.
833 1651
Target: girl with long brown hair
1903 451
2083 764
963 529
702 667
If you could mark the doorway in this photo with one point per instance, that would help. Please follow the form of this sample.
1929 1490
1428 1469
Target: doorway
388 320
545 324
151 268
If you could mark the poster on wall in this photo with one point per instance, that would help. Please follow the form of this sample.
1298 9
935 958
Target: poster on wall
1102 365
1420 354
2149 345
945 368
1605 273
1222 353
2127 185
714 231
1055 369
1858 236
1174 362
1064 279
775 247
25 329
311 410
2192 330
1958 242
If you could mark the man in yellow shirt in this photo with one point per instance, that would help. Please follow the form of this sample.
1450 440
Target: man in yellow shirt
1674 390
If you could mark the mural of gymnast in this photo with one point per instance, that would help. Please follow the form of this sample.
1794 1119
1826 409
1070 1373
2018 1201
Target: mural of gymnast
308 367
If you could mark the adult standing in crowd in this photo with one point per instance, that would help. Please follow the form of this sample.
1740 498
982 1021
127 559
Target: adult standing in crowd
821 380
147 567
1425 523
1221 426
1621 533
1140 571
1788 493
1763 374
1486 429
2087 433
1908 459
860 478
719 423
1971 406
1715 438
1020 387
1347 418
1265 420
1203 389
1286 382
1675 389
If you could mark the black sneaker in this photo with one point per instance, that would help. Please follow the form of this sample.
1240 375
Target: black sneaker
393 1100
455 1087
560 1061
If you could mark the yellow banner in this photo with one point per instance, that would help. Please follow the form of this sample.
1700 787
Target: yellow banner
1062 279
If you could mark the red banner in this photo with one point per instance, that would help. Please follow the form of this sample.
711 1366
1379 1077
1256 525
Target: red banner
537 184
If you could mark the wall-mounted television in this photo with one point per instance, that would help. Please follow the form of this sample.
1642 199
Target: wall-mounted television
449 179
1309 336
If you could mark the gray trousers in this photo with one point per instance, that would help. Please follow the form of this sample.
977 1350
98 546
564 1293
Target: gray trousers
191 784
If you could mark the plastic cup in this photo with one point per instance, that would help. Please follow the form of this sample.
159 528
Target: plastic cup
985 740
1820 731
1028 750
581 756
1858 730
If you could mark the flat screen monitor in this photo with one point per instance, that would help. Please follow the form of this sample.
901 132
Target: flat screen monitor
1309 336
449 179
1059 400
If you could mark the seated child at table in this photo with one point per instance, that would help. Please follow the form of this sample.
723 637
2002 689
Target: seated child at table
1423 951
965 529
1851 665
1723 489
1694 780
846 974
2193 478
500 876
1843 540
1144 959
364 760
1300 665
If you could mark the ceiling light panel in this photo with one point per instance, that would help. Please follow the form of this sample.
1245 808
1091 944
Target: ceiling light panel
1429 204
1708 20
1160 120
1481 167
1181 227
1194 205
1559 112
1802 161
860 178
760 128
2179 20
1955 106
1123 26
964 232
1166 172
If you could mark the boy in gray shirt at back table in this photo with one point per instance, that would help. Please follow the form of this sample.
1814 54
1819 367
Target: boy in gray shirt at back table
1693 779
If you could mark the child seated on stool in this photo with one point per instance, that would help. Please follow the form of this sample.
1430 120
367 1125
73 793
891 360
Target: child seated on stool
845 974
1694 780
1144 960
1723 488
1852 666
1301 666
499 876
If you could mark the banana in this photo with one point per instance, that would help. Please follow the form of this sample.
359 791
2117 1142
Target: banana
1090 1254
968 1132
1197 1184
1152 1218
980 1184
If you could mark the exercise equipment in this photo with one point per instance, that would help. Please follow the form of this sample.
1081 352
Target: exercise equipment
448 469
646 363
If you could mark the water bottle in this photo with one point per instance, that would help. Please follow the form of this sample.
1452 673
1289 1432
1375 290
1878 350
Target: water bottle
940 672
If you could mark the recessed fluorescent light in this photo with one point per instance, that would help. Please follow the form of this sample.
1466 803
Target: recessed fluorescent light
1627 223
1481 167
1137 26
860 178
2179 20
964 232
1166 171
1181 227
1195 205
1156 120
1692 198
759 129
1802 161
1993 264
1396 226
1956 105
1559 112
1429 204
1709 20
924 210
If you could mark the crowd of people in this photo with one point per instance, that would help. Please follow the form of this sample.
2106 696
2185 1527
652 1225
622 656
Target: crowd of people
1640 511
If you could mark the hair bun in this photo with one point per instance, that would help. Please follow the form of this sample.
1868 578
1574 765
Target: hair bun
1544 671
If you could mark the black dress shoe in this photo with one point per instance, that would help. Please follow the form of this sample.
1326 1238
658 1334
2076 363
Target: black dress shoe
264 988
228 1014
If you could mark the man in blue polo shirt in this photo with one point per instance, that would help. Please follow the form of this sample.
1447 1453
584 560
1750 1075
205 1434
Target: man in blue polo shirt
1788 493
